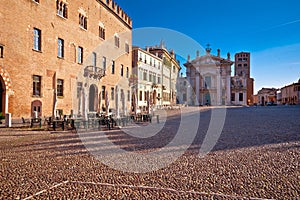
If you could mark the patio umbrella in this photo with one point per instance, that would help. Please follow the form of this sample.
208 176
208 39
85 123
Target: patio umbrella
54 86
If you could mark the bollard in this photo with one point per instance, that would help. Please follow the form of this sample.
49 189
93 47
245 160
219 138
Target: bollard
157 118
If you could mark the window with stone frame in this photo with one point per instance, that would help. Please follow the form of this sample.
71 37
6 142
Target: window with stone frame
122 70
60 48
141 96
79 89
82 21
103 92
60 87
61 9
112 93
102 32
126 47
113 67
80 55
94 59
37 39
37 85
145 76
117 41
1 51
127 72
104 63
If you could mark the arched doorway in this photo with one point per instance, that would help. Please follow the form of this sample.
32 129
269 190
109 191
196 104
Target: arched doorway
2 95
36 106
93 98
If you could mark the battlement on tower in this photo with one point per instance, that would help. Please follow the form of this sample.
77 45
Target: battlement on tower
114 7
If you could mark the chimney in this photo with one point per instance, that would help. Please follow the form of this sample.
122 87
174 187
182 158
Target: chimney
147 48
189 59
219 53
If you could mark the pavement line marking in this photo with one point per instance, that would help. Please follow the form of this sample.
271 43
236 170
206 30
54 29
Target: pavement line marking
166 189
45 190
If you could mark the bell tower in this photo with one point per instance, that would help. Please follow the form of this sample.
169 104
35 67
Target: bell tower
242 64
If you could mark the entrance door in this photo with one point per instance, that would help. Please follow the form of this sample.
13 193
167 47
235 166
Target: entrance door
207 99
36 106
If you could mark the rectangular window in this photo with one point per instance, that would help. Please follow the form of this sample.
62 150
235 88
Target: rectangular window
37 85
61 9
94 59
117 41
82 21
232 96
150 77
80 55
102 32
154 79
127 72
141 95
158 80
37 39
60 87
122 70
1 51
128 95
126 47
103 92
113 67
241 97
145 76
104 63
79 89
60 52
112 93
145 96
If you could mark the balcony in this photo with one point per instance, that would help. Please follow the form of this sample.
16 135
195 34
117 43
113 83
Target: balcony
94 72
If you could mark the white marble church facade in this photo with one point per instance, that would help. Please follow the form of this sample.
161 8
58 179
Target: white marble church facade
209 79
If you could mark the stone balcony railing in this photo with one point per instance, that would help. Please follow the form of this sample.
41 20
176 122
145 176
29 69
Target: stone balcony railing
94 72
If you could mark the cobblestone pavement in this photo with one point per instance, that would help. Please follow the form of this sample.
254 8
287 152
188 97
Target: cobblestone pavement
257 156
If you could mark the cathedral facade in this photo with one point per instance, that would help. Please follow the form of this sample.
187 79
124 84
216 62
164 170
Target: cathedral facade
209 79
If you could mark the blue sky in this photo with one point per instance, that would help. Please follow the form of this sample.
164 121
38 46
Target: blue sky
269 30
